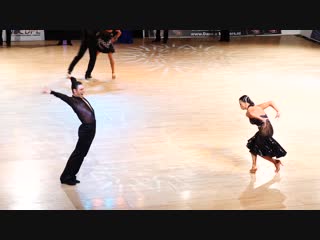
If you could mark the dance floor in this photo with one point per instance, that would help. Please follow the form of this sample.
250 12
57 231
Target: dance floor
170 132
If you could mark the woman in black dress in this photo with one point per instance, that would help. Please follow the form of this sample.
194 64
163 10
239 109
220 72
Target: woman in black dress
262 143
105 40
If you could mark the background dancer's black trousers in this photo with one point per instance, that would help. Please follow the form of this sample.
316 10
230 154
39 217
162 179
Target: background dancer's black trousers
91 45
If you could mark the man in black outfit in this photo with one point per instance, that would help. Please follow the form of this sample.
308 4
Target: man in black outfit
64 35
68 42
165 36
224 36
86 131
88 41
8 37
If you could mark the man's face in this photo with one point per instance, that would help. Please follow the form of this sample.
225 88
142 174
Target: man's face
79 92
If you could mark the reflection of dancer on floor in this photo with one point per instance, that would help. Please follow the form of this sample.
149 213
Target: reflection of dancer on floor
263 196
105 39
86 131
262 143
250 189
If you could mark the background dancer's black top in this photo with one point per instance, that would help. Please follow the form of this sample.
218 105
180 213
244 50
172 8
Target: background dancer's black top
80 106
89 36
104 43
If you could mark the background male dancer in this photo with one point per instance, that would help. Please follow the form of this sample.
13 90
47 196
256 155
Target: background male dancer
88 41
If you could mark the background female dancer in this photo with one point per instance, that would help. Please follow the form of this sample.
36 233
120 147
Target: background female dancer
105 40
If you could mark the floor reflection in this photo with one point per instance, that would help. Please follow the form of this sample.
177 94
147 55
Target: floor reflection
262 197
83 201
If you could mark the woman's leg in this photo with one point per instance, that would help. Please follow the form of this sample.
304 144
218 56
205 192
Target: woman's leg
112 65
276 162
254 163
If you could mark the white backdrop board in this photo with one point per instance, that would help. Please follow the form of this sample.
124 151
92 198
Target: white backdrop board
25 35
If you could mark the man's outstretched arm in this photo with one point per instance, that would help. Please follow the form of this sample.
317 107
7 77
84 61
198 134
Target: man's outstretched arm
63 97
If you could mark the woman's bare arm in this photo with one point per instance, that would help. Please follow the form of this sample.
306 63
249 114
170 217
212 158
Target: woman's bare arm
117 35
270 104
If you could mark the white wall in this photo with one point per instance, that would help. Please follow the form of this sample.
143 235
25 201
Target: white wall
25 35
306 33
290 32
285 32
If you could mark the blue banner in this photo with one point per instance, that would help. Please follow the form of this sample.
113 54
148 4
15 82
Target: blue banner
315 35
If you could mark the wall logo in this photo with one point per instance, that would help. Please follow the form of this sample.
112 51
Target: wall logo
26 32
211 33
27 35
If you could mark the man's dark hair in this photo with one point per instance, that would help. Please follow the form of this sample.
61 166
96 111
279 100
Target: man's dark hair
74 83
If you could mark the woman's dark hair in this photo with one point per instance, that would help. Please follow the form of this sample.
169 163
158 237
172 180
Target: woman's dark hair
74 83
246 99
